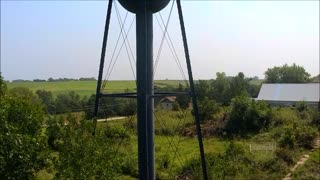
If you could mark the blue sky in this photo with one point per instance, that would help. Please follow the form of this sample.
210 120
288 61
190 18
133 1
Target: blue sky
42 39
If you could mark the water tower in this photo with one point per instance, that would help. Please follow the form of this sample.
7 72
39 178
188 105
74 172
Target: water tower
144 10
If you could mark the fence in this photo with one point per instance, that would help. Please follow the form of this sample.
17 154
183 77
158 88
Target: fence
263 146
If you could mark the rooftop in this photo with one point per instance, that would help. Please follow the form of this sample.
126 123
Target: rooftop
290 92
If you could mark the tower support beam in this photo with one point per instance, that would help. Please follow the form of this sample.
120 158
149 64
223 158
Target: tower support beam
145 106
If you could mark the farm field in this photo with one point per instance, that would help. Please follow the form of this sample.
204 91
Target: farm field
86 88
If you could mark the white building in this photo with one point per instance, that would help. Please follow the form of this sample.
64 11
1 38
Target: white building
290 94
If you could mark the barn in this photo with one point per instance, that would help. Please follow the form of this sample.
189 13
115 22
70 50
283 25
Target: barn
290 94
167 102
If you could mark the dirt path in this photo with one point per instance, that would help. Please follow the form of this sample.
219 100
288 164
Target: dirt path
111 119
302 160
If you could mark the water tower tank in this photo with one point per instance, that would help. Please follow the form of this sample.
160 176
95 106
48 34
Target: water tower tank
136 5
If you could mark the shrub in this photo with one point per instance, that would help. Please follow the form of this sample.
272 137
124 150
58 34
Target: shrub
283 116
301 106
83 156
68 102
47 100
316 119
287 137
286 155
290 130
23 149
54 130
305 136
207 108
247 116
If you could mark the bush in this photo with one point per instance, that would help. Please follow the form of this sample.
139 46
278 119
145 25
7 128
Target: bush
290 130
55 126
286 155
305 136
69 102
207 108
109 106
275 165
247 116
315 119
47 100
23 149
83 156
283 116
301 106
287 137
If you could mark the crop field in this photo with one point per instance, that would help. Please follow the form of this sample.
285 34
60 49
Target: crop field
86 88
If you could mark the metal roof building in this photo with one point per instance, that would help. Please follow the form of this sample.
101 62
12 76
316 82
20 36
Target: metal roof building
289 94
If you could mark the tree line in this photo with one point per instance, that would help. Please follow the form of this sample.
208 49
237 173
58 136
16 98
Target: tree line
56 80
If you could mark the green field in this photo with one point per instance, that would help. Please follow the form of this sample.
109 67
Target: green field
86 88
256 81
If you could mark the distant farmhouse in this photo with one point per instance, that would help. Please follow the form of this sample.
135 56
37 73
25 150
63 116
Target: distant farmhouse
167 102
290 94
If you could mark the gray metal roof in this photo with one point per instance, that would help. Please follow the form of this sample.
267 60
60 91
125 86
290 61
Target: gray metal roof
290 92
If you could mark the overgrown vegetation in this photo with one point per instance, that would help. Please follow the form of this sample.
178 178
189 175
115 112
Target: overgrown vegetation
310 170
235 163
39 136
81 155
23 149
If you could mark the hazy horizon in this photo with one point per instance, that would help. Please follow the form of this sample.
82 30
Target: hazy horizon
43 39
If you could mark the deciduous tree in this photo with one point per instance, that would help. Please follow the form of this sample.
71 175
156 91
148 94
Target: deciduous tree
287 74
